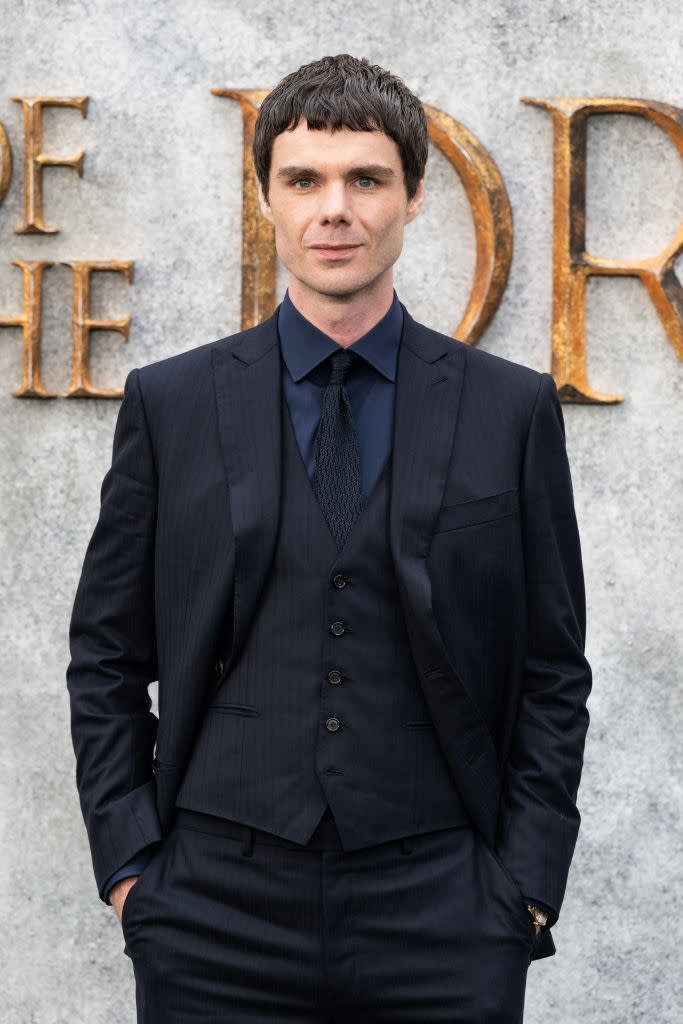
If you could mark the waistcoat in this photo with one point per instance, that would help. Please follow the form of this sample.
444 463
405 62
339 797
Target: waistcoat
324 707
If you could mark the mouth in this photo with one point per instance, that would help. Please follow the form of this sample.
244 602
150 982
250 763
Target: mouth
334 251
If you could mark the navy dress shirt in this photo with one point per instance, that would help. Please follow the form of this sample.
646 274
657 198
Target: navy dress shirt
370 388
370 385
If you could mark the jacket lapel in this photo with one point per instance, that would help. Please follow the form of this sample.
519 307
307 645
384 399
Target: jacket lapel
428 385
248 395
429 382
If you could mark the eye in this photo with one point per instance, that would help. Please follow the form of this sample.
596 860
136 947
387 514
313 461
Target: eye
366 182
303 184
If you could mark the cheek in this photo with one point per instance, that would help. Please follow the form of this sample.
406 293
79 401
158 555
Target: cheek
285 240
390 239
290 227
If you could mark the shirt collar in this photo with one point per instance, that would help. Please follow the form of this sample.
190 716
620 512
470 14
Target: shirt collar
304 346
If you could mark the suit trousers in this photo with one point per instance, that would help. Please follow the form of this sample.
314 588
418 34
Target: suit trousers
232 930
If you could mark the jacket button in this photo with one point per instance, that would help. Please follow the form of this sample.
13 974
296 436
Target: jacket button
337 628
218 667
334 677
339 581
332 724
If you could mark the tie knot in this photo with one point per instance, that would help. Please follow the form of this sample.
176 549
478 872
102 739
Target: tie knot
340 364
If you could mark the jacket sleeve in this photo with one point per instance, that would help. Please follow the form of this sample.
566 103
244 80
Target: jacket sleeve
539 820
113 653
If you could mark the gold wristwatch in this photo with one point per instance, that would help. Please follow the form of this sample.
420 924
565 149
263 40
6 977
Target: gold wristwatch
539 916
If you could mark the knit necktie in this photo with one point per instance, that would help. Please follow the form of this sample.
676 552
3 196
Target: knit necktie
337 459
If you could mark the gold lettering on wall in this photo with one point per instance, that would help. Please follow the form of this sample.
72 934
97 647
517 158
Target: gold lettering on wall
5 162
83 325
35 159
32 385
572 265
489 202
484 188
492 216
259 259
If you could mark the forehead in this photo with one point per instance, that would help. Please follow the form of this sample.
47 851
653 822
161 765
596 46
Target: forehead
328 150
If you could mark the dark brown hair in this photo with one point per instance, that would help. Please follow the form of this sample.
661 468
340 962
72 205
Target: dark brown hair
344 92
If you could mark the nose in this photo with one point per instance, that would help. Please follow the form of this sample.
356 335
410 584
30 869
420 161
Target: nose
334 207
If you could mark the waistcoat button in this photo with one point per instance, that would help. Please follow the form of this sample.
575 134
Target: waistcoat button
339 581
332 724
337 628
334 677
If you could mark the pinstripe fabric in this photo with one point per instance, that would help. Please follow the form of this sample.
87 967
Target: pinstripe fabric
264 755
431 931
488 569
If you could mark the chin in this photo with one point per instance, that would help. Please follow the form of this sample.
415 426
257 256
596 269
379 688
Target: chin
340 287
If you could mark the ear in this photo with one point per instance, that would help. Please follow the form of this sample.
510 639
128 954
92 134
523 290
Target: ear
264 204
415 204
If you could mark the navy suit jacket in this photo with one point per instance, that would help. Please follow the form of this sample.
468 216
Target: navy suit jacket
486 552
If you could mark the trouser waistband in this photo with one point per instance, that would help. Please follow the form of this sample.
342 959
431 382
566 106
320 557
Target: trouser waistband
326 836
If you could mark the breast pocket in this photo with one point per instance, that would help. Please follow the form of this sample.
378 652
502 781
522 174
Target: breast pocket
477 512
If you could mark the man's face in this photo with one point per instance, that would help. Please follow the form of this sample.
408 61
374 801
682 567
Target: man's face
339 204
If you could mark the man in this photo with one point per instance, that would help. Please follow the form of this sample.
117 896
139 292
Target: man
345 545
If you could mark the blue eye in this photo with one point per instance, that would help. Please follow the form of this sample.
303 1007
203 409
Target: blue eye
366 182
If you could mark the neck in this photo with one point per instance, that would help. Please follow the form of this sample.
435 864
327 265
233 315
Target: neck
344 318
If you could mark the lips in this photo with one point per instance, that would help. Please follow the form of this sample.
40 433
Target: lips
335 251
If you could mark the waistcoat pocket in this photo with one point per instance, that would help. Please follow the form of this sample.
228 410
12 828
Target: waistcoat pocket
245 710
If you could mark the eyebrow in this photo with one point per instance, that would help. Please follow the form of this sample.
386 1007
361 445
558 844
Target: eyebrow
363 171
291 171
373 171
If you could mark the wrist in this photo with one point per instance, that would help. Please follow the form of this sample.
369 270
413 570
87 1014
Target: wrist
118 894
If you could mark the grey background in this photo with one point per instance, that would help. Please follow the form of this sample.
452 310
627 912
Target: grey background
162 186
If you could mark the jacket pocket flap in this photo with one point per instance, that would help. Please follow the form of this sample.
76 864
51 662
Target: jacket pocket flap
477 511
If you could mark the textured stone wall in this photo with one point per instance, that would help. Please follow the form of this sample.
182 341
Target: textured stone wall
161 185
